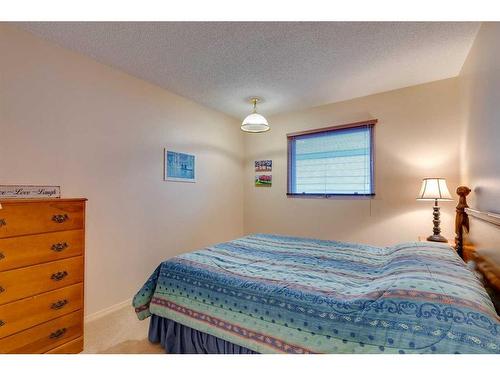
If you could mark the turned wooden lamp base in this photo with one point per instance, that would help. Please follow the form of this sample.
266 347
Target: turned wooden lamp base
437 238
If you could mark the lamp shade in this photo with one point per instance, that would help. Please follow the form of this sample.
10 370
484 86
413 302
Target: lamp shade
434 189
255 123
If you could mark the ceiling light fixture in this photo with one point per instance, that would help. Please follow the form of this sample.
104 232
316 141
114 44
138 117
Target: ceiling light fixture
255 122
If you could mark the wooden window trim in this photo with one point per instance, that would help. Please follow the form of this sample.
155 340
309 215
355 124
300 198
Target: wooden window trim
359 124
334 127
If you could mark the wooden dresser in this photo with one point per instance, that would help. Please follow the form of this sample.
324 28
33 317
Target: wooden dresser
41 275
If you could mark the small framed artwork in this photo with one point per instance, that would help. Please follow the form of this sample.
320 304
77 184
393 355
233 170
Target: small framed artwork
263 165
179 166
264 180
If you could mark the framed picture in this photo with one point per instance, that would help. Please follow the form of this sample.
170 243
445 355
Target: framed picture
264 180
263 165
179 166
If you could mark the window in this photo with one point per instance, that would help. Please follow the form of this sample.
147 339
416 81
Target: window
332 161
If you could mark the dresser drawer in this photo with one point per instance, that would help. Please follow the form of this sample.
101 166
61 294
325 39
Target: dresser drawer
72 347
21 218
26 313
29 281
44 337
16 252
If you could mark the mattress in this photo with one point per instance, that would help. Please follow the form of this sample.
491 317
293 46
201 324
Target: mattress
279 294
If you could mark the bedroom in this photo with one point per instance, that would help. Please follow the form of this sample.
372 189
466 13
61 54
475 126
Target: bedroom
139 130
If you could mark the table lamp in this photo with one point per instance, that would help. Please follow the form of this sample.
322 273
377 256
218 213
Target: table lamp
435 189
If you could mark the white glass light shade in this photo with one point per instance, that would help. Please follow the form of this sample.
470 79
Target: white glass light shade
255 123
434 188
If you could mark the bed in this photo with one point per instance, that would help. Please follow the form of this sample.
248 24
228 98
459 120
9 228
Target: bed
275 294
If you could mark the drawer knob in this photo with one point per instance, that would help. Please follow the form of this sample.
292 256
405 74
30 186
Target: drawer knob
2 290
58 333
2 256
60 246
59 304
58 276
60 218
2 323
2 223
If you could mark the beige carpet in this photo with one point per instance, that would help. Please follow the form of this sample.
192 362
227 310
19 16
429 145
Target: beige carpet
135 347
118 332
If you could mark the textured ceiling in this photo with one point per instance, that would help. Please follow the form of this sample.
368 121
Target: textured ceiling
291 65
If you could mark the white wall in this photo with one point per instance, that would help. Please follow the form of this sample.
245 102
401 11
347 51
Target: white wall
480 79
481 87
417 136
99 133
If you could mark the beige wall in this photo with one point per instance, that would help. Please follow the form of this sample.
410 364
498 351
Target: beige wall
99 133
417 136
480 79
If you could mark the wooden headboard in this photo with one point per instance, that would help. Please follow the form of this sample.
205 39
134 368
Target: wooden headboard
485 261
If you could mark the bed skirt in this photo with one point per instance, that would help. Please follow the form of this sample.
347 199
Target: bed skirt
176 338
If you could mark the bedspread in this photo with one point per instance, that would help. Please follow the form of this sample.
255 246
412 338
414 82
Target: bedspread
277 294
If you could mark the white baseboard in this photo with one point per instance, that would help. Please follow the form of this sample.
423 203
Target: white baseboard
108 310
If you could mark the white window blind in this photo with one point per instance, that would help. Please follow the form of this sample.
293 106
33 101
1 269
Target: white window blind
332 162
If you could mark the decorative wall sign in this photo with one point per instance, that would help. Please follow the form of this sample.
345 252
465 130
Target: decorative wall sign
29 191
263 165
264 180
179 167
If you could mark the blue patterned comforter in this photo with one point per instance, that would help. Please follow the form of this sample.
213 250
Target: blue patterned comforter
276 294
